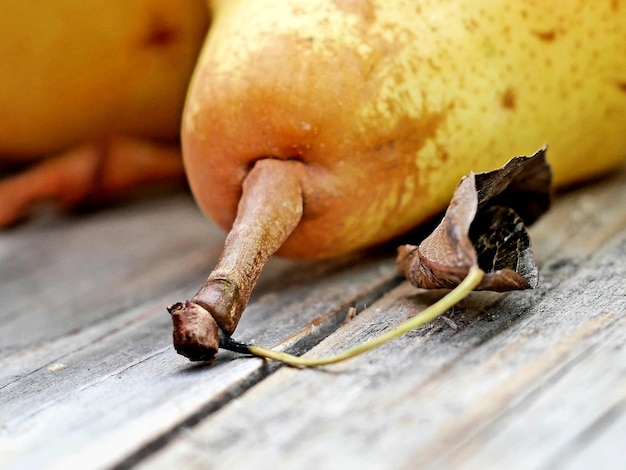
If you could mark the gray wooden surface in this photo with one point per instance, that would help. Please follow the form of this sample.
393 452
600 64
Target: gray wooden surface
88 377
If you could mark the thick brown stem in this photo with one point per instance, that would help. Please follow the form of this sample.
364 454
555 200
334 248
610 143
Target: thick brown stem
270 208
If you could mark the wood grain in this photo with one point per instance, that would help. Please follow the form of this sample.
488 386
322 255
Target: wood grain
524 380
88 377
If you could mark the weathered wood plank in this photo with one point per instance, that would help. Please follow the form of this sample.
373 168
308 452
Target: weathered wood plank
89 375
526 380
84 270
436 394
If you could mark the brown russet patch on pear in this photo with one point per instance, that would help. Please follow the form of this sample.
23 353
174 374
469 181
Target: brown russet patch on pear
509 99
411 134
621 86
365 9
545 36
160 33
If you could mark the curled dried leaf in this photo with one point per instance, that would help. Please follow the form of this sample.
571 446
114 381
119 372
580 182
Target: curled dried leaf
485 227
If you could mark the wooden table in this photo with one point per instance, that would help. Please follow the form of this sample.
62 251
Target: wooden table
89 379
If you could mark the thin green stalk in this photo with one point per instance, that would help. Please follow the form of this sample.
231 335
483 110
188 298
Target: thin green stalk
470 282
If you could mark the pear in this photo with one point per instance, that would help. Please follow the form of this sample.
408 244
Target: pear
387 104
91 98
314 128
76 71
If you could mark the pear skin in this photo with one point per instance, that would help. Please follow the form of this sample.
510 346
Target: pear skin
320 127
387 104
74 72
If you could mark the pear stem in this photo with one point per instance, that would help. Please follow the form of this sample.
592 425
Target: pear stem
270 207
471 281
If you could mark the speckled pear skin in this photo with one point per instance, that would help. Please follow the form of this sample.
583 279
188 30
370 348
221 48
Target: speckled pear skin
388 103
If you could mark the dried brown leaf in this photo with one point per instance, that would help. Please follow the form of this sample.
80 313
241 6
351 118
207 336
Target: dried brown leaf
485 226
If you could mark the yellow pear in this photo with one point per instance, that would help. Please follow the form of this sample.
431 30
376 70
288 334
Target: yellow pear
91 95
74 71
388 103
319 127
